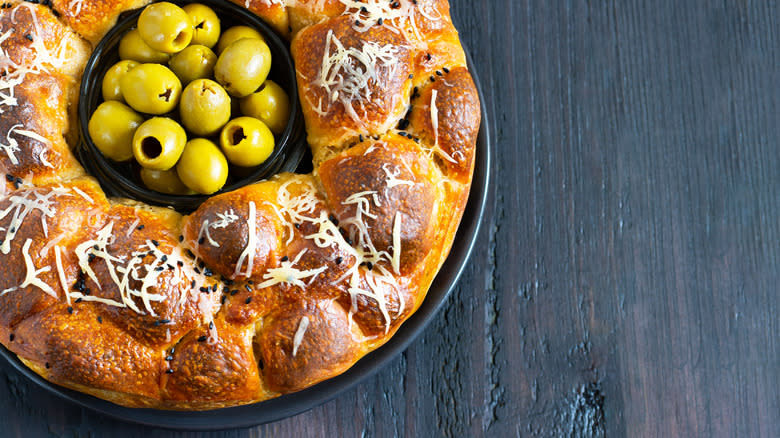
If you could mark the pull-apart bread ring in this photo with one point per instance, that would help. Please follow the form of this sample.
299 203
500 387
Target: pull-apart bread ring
261 291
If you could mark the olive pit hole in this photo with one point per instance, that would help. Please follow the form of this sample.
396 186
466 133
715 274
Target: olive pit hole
200 25
151 147
166 95
181 38
237 135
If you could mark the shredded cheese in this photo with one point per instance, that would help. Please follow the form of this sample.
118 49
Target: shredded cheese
75 6
346 74
31 275
287 274
251 245
21 206
61 273
302 326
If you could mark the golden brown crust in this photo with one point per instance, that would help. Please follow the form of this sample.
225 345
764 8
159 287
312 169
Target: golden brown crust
272 11
93 18
261 291
335 115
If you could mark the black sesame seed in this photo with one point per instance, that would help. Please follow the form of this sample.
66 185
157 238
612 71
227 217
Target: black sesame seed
207 272
446 70
47 365
78 301
154 242
379 22
192 285
248 287
159 268
141 227
202 338
224 298
9 178
214 288
248 300
201 241
370 266
285 258
29 37
233 292
339 260
433 78
411 76
204 289
11 337
169 371
428 56
181 238
211 325
169 358
190 254
360 138
70 310
100 319
164 258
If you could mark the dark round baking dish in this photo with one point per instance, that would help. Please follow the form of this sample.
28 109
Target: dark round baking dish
301 401
121 179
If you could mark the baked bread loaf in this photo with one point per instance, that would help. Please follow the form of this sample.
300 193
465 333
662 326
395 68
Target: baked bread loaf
261 291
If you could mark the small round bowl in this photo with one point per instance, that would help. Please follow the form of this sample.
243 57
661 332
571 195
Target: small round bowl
122 179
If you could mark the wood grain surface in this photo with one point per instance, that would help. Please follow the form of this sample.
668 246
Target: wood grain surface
626 279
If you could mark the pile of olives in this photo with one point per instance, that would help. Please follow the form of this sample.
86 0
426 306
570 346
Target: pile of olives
169 101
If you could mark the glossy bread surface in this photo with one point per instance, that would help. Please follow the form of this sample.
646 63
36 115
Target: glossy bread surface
261 291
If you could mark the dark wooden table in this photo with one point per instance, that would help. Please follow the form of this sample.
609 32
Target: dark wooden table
627 277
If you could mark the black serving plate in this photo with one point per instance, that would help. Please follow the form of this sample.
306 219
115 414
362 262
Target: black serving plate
295 403
122 179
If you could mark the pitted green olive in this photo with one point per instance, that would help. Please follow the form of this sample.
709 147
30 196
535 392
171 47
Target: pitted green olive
158 143
165 27
111 128
202 166
270 104
164 181
243 66
111 86
205 24
194 62
246 141
205 107
151 89
133 47
234 34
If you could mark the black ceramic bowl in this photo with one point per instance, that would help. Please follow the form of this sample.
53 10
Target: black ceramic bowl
121 179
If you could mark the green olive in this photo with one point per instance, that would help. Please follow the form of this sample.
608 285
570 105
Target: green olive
165 27
246 141
111 81
202 166
164 181
111 128
205 23
243 66
205 107
158 143
234 34
194 62
151 89
133 47
270 104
